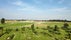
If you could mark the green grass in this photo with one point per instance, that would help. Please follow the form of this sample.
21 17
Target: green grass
29 35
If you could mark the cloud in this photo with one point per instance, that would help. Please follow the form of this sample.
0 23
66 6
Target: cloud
27 11
18 3
61 1
34 13
25 6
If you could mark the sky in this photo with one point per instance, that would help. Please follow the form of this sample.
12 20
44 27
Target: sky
35 9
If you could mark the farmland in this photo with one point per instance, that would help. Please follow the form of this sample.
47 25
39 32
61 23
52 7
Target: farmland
43 31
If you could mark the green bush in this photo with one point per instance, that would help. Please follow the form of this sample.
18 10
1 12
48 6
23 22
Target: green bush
32 27
8 30
2 21
23 28
17 29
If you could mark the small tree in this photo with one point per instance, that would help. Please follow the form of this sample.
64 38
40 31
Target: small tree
2 21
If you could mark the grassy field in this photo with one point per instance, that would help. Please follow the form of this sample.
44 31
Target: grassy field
14 28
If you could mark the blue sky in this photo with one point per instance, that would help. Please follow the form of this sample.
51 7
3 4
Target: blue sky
35 9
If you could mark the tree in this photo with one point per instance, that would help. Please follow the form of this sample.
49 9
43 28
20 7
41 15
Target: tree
2 20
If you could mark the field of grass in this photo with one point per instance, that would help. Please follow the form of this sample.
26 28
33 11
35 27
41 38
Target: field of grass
42 32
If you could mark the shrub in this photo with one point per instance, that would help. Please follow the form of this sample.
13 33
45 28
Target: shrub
37 27
35 32
56 28
2 21
49 28
8 31
17 29
23 28
32 27
65 25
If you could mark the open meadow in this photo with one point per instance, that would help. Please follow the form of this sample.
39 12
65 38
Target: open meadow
30 30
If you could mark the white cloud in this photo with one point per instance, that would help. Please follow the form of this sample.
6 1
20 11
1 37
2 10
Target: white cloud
61 1
32 12
26 7
18 3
